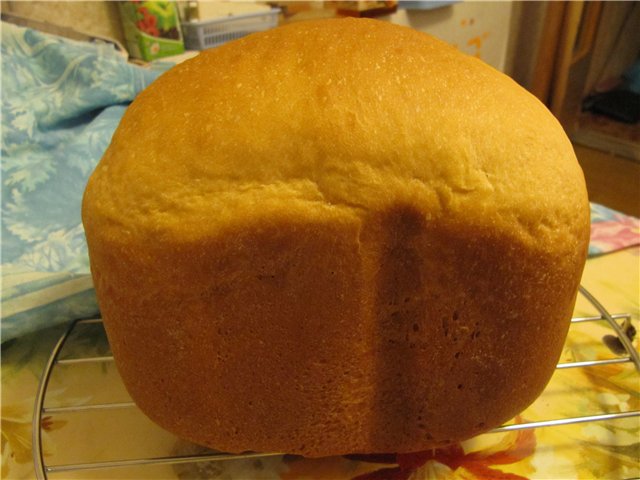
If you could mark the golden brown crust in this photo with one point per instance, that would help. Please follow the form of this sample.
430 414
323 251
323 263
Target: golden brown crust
322 246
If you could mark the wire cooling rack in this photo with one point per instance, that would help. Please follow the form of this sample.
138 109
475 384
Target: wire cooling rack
619 323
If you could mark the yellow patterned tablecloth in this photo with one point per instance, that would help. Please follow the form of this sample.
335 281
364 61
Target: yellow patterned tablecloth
602 450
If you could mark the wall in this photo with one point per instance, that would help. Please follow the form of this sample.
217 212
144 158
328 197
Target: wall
481 29
94 18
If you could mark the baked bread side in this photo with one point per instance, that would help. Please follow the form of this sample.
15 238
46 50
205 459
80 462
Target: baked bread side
336 237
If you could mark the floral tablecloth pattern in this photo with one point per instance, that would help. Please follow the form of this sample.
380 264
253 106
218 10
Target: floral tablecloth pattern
594 450
612 230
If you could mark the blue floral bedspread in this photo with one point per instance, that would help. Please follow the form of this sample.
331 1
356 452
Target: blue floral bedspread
61 102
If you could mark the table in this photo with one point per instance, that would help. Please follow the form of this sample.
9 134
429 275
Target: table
603 449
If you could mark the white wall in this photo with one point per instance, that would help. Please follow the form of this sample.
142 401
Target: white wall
477 28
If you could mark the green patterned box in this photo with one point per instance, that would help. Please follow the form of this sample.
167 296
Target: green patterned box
152 29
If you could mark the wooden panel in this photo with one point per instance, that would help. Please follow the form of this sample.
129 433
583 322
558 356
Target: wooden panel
564 58
587 31
98 18
547 50
528 24
570 106
612 181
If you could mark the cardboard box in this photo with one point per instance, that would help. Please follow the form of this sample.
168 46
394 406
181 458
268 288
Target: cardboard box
151 29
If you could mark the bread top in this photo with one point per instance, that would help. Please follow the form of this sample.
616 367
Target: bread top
334 119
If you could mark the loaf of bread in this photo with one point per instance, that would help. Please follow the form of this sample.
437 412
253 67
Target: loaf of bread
336 236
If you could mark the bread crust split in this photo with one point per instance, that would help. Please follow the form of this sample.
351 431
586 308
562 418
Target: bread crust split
337 236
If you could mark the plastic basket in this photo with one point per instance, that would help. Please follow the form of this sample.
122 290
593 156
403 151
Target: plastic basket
211 33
